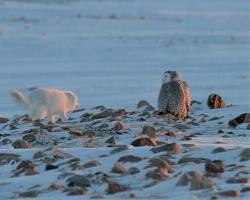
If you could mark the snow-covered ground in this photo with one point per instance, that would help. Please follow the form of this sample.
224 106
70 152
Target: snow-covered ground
112 53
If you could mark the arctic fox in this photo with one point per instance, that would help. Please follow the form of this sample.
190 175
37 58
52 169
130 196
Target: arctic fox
48 102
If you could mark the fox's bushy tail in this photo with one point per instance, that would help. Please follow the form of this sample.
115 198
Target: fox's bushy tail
20 98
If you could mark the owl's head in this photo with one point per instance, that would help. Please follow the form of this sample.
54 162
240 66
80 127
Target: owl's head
169 76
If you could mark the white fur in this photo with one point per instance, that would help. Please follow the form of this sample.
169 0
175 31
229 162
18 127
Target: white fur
48 102
169 76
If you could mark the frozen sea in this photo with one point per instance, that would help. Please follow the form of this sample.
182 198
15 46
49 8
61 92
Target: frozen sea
113 52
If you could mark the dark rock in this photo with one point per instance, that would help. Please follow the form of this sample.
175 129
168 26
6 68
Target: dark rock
19 144
219 150
171 148
111 140
26 167
144 106
240 180
195 160
6 141
133 170
119 169
92 163
243 118
215 101
78 180
3 120
149 131
115 188
29 137
50 167
245 189
75 191
39 154
119 126
103 114
130 158
143 141
5 158
55 186
119 149
182 127
230 193
29 194
245 154
216 166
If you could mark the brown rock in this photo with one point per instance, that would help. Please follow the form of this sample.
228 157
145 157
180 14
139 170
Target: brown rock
75 191
55 186
26 167
183 180
230 193
215 101
119 126
149 131
39 154
119 169
157 174
111 140
171 148
144 106
241 180
159 163
130 158
215 166
243 118
245 154
143 141
21 144
92 163
115 188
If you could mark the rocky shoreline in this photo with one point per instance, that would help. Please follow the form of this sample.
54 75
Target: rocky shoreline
121 154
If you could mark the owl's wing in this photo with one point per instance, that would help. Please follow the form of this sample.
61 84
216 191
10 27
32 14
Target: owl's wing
163 97
188 99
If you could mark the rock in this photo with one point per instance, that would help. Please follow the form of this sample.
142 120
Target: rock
215 166
119 169
50 167
5 158
219 150
215 101
119 126
26 167
240 180
6 141
157 174
103 114
149 131
78 180
243 118
196 179
248 127
245 154
29 137
143 141
133 170
55 186
3 120
144 106
170 148
161 164
245 189
115 188
92 163
21 144
75 191
111 140
230 193
130 158
29 194
39 154
119 149
76 131
195 160
182 127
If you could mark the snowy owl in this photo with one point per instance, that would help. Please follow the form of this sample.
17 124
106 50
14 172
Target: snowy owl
174 97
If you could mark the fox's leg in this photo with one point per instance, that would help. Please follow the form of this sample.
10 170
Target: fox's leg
52 118
38 112
63 117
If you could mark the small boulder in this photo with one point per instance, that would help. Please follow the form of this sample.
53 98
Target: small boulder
170 148
149 131
26 167
39 154
143 141
92 163
157 174
215 101
243 118
161 164
29 194
116 188
219 150
78 180
239 180
119 169
133 170
196 160
29 137
144 106
245 154
215 166
230 193
21 144
130 158
3 120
